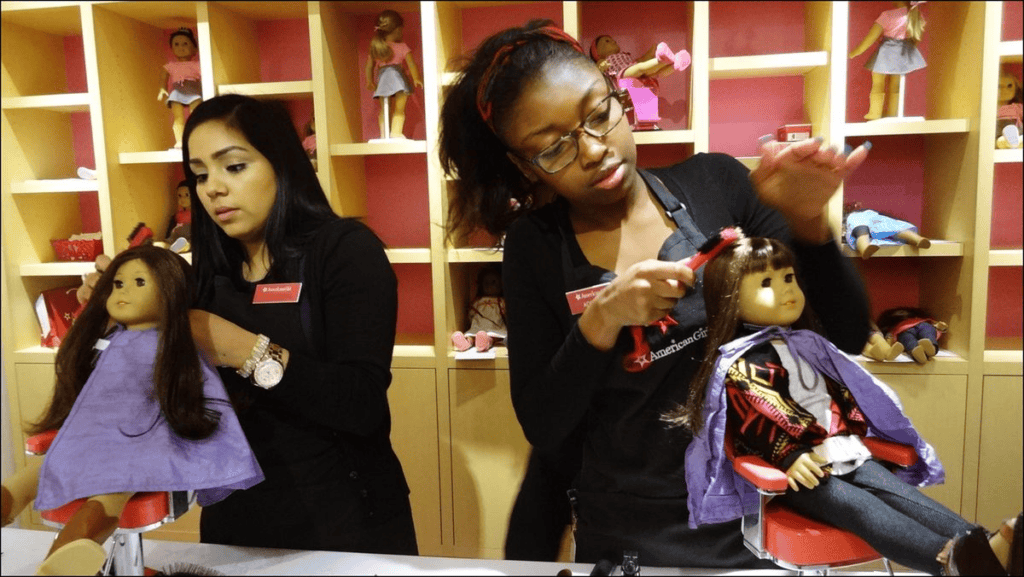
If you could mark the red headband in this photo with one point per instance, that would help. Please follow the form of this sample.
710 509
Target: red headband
501 57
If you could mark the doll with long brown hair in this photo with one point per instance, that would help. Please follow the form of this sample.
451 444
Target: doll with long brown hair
184 76
786 394
137 410
897 55
384 74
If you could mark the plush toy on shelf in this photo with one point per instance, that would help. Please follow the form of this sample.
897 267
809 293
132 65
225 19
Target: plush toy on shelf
384 74
639 76
913 328
137 409
184 75
309 142
896 56
866 229
879 348
1010 111
486 314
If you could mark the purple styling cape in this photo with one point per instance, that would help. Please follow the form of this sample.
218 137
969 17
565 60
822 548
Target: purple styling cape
718 494
109 443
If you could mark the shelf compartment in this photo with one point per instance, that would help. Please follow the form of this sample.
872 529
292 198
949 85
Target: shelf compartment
938 248
475 255
1006 257
943 363
74 102
57 269
397 146
36 354
1011 51
500 360
54 185
289 90
767 65
408 255
1008 155
663 137
899 127
151 157
1004 362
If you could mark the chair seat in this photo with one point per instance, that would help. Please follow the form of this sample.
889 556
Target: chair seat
142 510
803 541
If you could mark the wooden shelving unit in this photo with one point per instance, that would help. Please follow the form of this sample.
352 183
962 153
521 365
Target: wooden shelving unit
454 428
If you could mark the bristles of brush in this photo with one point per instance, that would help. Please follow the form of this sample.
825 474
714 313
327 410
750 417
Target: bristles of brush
185 569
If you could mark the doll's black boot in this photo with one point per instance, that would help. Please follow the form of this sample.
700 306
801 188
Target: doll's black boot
970 554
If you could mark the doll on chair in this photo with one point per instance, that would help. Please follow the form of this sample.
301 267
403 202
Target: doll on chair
789 396
137 410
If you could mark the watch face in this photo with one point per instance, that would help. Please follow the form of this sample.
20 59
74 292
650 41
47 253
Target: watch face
268 373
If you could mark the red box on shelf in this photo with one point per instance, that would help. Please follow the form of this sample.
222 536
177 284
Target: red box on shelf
793 132
77 250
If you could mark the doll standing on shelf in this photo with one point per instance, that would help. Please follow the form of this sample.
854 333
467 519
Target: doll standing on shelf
137 409
384 73
780 391
913 328
901 29
1010 112
486 314
183 74
639 76
866 229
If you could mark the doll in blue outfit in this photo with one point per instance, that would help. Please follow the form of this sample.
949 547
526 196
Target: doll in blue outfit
865 230
787 395
137 410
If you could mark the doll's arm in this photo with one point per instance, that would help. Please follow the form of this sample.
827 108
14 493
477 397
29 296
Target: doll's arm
872 36
805 470
370 84
413 70
163 85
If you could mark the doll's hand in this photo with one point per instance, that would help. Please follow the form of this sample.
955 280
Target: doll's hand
798 180
162 94
806 471
417 82
644 293
89 281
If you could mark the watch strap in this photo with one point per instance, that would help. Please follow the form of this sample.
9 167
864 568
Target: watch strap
257 353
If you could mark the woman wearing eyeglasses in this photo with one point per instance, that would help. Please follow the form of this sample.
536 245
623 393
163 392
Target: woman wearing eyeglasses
535 134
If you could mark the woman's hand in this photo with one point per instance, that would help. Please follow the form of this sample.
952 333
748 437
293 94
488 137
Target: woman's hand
89 281
644 293
799 179
806 471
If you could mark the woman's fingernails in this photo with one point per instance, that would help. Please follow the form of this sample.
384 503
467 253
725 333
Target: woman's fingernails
765 138
847 149
867 145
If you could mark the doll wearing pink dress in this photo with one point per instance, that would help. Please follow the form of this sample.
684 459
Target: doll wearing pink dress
900 30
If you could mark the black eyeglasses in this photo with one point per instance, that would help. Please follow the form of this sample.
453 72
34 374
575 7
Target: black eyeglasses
603 119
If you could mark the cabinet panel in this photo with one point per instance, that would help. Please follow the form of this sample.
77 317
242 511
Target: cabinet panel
1000 462
34 382
489 454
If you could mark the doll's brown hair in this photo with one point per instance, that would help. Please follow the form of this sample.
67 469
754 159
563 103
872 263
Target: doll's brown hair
387 22
177 374
187 33
722 277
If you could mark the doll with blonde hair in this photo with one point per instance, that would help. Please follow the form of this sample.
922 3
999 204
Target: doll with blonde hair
384 73
897 55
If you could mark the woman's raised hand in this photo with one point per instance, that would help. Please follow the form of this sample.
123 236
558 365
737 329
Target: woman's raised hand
642 294
89 281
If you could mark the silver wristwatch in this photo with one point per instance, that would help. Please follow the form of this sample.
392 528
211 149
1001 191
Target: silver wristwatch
269 368
257 353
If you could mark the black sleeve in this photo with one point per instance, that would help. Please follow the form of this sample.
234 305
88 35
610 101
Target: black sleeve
834 288
553 370
347 391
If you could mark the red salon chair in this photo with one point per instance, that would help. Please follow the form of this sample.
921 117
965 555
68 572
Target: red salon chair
144 512
795 542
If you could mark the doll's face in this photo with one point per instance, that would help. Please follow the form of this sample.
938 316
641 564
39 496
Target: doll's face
183 48
135 298
490 285
607 46
184 200
1007 88
235 183
771 297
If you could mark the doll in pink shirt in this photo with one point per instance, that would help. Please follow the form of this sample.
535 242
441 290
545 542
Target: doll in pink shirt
900 29
183 74
1010 111
384 73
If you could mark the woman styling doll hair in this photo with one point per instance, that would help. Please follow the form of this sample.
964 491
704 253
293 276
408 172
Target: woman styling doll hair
901 29
133 405
184 74
789 396
387 53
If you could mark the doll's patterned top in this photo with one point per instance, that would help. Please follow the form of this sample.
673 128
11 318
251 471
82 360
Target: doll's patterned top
487 314
894 23
399 51
618 63
179 71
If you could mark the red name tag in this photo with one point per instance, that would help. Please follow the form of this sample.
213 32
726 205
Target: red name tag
579 299
285 292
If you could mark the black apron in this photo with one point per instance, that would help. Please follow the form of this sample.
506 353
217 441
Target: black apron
613 516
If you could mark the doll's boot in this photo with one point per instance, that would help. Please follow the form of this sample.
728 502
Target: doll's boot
1010 138
910 237
483 341
79 557
920 352
875 101
19 490
970 554
928 346
664 54
460 341
894 351
864 247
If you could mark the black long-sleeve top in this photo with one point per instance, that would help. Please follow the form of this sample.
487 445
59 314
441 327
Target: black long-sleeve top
560 382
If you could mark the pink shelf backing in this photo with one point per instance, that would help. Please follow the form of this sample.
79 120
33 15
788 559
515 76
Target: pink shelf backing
1006 206
742 110
480 22
891 282
415 300
1005 304
756 28
874 186
1012 22
397 199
